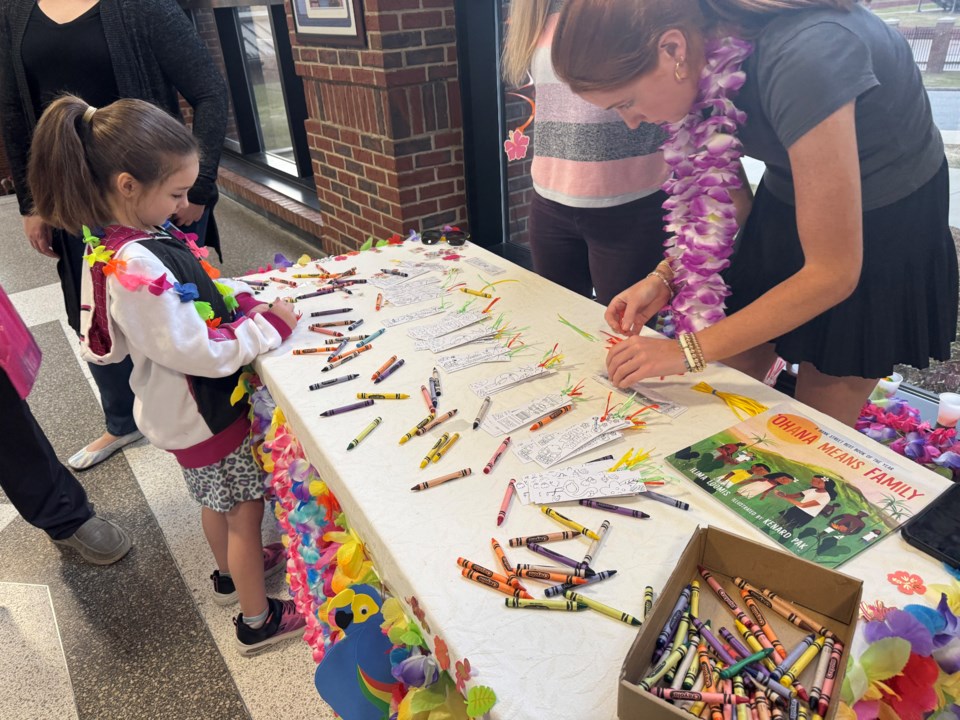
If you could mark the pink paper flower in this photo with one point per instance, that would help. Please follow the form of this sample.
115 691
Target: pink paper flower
907 583
516 145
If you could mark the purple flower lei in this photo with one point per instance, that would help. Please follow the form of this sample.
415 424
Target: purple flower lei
703 154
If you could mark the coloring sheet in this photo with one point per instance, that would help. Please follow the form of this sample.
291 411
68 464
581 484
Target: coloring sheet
420 289
562 444
577 483
490 386
412 316
385 281
506 421
451 322
646 396
453 363
448 342
485 266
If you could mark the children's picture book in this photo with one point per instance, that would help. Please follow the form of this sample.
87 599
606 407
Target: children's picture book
821 495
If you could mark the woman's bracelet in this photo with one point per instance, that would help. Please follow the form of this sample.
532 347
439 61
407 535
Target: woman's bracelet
662 277
692 352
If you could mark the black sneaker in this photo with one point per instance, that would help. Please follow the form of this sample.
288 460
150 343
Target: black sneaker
225 592
283 621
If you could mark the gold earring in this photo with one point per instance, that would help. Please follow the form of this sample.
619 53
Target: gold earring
676 71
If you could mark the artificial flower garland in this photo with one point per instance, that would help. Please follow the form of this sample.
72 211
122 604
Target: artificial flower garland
703 153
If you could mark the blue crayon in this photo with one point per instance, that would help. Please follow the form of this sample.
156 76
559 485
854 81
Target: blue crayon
389 371
372 336
555 590
682 603
793 656
665 500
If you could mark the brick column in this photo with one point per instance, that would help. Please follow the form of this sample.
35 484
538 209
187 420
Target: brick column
384 123
942 34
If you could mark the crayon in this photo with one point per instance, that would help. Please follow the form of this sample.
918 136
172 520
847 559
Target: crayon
488 468
495 585
427 484
371 337
505 503
548 537
470 565
436 446
551 577
310 351
743 711
482 412
544 604
337 311
551 417
350 353
353 326
382 396
761 675
830 679
715 698
413 432
363 433
436 421
779 652
560 589
379 302
784 608
791 675
282 281
666 664
601 608
595 545
545 568
619 510
684 667
331 364
754 644
556 557
316 293
732 670
342 340
436 382
383 368
438 455
305 276
340 347
648 601
390 371
512 576
794 655
679 639
334 381
331 323
695 598
346 408
665 500
468 291
678 609
793 709
821 673
394 272
426 399
572 524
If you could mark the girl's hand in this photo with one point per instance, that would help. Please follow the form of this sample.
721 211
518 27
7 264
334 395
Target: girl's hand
39 235
629 311
637 358
285 312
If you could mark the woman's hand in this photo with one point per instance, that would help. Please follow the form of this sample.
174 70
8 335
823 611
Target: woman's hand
637 358
629 311
189 215
39 234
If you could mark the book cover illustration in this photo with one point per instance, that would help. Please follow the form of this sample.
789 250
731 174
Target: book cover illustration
820 495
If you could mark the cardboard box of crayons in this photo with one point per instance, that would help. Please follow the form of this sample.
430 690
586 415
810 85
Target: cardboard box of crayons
827 597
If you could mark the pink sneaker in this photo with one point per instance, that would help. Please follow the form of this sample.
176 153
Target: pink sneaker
274 560
283 622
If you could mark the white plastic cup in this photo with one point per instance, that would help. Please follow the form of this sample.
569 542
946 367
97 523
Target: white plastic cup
948 412
888 386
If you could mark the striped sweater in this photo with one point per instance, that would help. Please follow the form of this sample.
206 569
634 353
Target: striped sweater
584 156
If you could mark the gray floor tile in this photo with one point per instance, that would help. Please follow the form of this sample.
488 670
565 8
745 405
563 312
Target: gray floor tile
22 270
7 513
36 684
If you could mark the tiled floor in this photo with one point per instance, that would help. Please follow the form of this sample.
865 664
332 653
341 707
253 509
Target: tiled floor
140 639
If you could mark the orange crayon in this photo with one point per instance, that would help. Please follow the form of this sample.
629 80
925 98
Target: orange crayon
495 585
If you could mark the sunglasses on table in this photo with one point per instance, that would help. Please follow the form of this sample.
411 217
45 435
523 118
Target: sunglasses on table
456 238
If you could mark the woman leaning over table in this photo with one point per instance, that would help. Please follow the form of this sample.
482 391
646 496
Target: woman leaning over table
596 218
103 50
845 264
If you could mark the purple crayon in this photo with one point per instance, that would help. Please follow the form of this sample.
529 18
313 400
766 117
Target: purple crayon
614 508
336 311
557 557
346 408
682 603
318 293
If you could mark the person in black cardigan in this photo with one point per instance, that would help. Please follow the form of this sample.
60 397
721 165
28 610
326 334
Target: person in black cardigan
103 50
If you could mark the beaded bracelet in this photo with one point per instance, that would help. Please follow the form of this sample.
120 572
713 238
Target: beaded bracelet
692 352
662 277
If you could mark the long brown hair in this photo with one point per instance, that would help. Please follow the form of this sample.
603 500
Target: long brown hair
604 44
527 20
74 158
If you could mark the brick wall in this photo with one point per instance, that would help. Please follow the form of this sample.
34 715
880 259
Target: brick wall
519 183
384 124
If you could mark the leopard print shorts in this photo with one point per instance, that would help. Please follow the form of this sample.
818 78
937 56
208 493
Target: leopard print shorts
222 485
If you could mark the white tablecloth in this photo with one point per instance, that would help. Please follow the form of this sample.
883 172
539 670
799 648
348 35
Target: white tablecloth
541 664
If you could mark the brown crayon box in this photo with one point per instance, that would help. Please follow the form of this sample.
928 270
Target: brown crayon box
828 597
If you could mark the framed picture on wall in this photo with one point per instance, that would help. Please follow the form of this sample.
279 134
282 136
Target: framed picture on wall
330 22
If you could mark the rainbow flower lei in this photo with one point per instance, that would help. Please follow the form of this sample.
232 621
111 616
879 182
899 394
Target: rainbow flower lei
703 153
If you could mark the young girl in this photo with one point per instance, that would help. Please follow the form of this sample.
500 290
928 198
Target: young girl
149 294
846 264
596 221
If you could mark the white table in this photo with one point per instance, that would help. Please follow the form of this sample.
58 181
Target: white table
541 664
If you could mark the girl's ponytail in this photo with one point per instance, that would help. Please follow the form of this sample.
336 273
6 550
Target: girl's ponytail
66 192
77 151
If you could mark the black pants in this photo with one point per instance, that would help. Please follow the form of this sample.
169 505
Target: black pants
602 249
40 487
